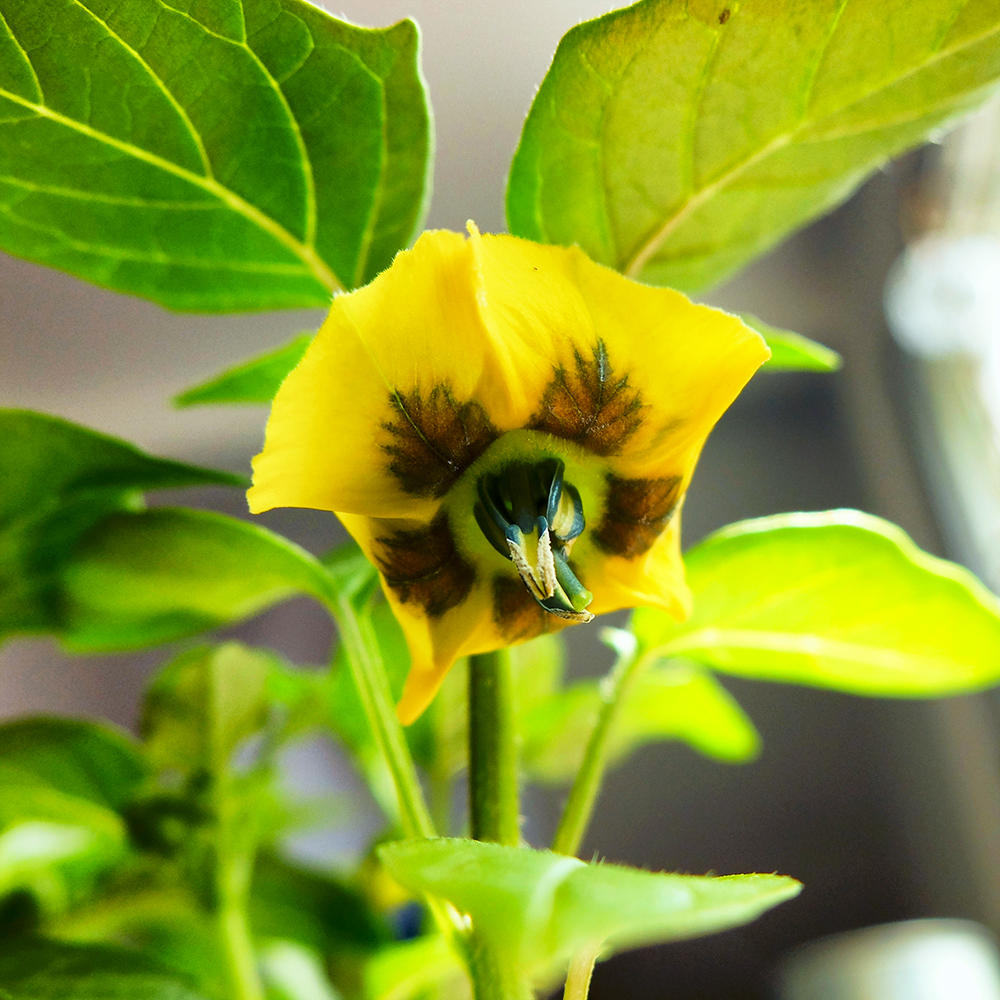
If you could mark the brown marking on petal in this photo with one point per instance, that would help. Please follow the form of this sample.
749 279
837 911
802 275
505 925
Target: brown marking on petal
518 616
424 567
434 440
590 405
636 512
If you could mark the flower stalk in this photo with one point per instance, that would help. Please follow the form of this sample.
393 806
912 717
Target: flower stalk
370 678
494 807
587 786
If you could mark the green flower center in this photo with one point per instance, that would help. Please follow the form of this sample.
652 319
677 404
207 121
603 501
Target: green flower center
532 516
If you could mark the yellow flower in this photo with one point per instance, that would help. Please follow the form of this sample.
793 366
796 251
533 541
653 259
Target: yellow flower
508 430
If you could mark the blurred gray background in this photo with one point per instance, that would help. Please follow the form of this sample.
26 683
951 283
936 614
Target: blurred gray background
885 810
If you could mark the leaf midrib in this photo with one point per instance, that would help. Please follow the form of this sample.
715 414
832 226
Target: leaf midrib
803 644
634 266
306 252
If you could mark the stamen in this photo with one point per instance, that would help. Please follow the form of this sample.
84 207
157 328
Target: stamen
532 516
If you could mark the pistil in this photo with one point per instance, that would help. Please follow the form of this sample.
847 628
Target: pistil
532 516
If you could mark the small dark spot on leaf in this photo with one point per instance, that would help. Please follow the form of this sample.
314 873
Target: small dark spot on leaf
590 405
636 512
424 567
434 440
724 16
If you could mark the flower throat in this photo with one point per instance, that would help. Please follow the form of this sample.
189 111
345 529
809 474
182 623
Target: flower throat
532 516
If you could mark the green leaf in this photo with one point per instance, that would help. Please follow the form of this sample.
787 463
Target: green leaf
46 970
57 480
313 909
63 783
669 701
536 909
292 972
74 756
203 704
254 381
676 142
838 599
791 351
139 579
353 575
246 154
408 970
52 844
44 459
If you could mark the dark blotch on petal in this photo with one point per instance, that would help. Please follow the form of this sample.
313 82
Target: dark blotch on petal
590 405
518 616
637 510
434 440
424 567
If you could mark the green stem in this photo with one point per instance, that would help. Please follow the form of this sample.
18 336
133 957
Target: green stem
580 971
580 805
235 853
370 678
494 809
365 661
493 978
234 930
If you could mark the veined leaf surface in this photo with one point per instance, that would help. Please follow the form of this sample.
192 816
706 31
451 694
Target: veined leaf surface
677 141
836 599
225 156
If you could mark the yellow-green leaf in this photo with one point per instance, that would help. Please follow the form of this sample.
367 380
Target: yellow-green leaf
838 599
677 141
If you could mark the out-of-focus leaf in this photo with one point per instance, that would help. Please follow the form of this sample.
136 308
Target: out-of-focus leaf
676 142
407 970
139 579
354 576
57 480
44 457
838 599
536 909
48 970
313 909
203 704
293 972
671 701
74 756
52 844
253 154
63 783
791 351
254 381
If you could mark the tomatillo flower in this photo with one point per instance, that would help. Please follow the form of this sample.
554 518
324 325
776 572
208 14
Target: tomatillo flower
508 430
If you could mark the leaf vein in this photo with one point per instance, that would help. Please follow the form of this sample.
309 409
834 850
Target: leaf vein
111 199
118 253
165 90
305 252
27 58
641 258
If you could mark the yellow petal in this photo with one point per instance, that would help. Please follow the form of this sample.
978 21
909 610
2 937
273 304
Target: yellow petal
668 370
410 339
